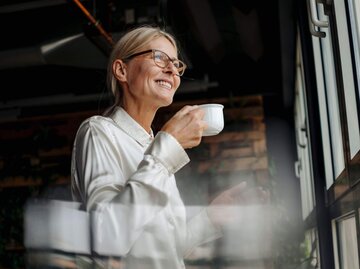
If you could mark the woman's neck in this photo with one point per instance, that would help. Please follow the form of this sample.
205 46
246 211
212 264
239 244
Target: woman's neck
143 115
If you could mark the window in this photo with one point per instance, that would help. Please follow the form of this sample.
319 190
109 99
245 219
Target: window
345 243
347 70
303 165
328 105
354 8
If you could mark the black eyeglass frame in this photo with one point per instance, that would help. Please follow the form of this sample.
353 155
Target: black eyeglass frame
180 72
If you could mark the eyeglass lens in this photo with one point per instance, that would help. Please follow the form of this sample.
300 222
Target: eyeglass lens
162 60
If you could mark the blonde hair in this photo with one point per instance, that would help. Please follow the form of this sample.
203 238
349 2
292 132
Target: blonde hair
133 41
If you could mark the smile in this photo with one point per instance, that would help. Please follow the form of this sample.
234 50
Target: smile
164 84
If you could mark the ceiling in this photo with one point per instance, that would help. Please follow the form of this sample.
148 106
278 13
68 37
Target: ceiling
51 53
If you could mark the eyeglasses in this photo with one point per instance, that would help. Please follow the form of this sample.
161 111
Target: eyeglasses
162 60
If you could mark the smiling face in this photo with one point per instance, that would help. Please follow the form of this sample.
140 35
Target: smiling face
147 85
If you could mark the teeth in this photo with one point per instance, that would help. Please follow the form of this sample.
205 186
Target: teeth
164 83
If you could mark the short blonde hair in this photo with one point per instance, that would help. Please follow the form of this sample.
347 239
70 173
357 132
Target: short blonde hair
133 41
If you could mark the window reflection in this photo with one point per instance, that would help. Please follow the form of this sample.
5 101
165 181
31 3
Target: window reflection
58 235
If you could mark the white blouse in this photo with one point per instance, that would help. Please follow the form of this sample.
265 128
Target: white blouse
125 177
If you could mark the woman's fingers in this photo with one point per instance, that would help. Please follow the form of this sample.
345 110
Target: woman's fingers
186 109
187 126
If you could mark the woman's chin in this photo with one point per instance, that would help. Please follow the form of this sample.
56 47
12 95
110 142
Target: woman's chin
166 101
166 104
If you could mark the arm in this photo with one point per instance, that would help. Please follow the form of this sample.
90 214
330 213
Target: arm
122 207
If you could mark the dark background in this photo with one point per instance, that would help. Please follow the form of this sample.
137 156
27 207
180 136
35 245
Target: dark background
52 55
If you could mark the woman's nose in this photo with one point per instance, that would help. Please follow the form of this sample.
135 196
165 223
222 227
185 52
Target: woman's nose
171 68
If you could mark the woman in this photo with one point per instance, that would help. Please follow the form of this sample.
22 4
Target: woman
125 175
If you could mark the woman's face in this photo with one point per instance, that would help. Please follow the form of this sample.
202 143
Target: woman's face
148 84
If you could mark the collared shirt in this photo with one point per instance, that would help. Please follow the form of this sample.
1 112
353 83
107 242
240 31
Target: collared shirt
125 176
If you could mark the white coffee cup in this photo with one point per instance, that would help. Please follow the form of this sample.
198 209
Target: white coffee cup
214 117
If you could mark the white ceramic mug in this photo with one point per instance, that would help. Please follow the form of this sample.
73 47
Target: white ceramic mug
214 117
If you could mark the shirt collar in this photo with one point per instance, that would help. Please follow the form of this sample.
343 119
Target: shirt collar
131 127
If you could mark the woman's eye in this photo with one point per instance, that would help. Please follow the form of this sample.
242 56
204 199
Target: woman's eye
163 58
158 57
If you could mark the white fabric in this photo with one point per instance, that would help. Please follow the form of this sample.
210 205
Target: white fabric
125 176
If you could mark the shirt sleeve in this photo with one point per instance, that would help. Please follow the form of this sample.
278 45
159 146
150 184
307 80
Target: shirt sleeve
121 207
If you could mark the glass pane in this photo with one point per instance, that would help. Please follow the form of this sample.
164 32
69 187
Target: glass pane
327 97
354 5
325 130
348 78
332 99
348 250
303 165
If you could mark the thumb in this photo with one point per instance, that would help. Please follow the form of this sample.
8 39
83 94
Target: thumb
186 109
237 189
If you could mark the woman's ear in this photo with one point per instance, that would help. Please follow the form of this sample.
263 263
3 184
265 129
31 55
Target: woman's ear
119 70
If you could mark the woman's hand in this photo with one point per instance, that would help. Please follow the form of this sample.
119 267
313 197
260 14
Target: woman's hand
187 126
